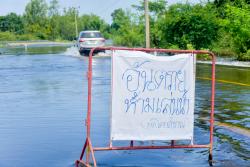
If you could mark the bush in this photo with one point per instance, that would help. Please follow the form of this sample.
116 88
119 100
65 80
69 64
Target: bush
172 46
7 36
204 57
26 37
244 56
224 45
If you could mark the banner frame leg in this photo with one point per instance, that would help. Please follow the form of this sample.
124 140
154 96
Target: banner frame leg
88 148
210 159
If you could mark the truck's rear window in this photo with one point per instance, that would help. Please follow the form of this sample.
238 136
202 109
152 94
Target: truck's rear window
91 35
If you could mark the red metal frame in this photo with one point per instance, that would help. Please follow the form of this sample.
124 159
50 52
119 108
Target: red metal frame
88 148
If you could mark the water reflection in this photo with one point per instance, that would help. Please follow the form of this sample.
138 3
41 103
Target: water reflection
232 107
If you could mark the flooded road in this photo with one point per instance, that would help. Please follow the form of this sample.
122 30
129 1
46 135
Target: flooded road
43 101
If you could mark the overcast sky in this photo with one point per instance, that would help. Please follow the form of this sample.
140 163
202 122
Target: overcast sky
102 8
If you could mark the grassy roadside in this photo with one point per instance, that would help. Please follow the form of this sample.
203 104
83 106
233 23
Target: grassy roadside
40 43
33 42
36 46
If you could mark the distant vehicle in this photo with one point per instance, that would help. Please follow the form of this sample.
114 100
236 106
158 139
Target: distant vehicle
88 40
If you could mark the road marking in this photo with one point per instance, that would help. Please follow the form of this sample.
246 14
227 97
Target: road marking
233 128
224 81
236 129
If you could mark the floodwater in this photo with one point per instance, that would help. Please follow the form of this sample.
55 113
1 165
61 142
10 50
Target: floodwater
43 102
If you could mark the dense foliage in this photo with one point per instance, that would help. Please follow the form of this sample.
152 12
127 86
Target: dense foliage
222 26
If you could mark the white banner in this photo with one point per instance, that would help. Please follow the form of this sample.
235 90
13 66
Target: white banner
152 96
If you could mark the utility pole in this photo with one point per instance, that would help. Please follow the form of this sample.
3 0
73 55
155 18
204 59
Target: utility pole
147 35
76 12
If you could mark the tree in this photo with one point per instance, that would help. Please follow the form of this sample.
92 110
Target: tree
53 8
36 20
54 19
12 23
234 20
185 24
119 18
93 22
36 12
156 8
237 24
126 30
66 25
